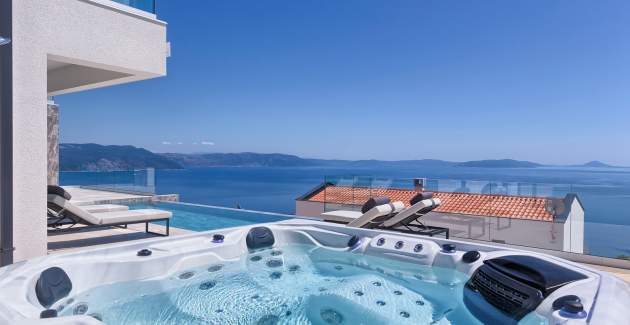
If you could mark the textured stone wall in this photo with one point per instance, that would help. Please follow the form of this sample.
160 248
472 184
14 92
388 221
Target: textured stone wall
53 144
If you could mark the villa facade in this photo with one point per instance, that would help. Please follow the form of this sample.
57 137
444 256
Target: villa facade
539 222
60 47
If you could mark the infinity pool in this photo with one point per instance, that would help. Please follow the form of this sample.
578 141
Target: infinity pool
288 284
201 217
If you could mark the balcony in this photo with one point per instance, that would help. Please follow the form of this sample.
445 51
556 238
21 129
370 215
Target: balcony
145 5
580 219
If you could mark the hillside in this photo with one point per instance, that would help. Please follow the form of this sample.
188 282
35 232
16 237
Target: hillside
499 163
595 164
244 159
96 157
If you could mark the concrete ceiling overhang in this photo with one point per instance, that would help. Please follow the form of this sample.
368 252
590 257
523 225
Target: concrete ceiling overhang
66 77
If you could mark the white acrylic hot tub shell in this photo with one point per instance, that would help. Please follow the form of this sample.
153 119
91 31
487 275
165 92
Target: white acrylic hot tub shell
604 296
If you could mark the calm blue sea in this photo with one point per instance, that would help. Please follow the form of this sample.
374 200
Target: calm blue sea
604 192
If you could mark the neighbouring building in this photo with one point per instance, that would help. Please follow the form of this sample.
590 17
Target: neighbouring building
541 222
60 47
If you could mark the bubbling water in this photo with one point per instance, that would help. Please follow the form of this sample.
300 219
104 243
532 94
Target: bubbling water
292 284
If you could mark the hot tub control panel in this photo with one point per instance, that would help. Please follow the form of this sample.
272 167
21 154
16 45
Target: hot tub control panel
412 247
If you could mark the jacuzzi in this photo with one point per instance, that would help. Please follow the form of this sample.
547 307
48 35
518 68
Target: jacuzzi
307 272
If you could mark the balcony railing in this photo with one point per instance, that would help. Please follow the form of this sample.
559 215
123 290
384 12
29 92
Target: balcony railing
145 5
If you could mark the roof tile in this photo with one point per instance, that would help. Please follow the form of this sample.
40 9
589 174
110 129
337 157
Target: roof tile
517 207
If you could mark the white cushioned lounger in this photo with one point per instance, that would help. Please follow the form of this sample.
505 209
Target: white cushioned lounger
377 212
341 216
408 214
112 217
118 217
345 216
94 208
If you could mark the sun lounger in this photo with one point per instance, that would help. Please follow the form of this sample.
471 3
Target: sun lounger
378 214
409 220
65 215
54 190
53 208
405 220
377 207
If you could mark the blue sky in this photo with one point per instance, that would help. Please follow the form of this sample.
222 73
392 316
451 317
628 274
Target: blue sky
540 80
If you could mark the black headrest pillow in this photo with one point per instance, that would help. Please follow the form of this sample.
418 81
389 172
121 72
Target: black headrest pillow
421 197
58 190
375 201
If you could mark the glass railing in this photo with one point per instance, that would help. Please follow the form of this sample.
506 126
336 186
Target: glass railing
583 219
125 181
145 5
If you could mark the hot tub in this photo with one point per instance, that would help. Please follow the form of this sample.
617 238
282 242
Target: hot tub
307 272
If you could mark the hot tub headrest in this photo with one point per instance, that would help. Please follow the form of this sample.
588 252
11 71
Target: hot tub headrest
421 197
375 201
52 285
259 237
58 190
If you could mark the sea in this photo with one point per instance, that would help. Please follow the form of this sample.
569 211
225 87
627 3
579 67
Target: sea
604 192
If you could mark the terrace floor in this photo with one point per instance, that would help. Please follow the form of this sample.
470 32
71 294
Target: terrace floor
65 242
623 274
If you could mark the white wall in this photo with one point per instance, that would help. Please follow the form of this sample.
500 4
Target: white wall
530 233
92 33
574 229
308 208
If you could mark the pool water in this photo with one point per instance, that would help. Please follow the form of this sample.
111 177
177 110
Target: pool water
201 217
296 284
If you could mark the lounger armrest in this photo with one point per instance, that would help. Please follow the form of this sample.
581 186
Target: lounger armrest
377 212
409 214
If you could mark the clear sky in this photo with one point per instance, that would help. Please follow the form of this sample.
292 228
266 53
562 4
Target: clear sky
540 80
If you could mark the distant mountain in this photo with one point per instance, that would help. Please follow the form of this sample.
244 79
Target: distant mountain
382 163
244 159
594 164
499 163
96 157
251 159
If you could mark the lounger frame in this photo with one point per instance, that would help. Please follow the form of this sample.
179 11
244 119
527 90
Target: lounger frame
414 226
413 229
421 230
53 228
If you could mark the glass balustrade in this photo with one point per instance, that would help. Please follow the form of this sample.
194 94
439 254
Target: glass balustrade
145 5
575 218
126 181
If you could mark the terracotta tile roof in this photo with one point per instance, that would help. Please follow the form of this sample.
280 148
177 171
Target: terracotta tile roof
517 207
